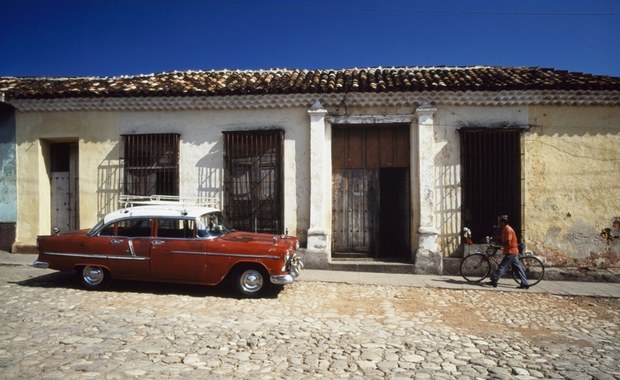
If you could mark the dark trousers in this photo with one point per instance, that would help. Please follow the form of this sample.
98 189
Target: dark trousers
507 262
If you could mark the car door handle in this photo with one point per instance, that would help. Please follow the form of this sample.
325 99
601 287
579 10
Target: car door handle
157 242
116 241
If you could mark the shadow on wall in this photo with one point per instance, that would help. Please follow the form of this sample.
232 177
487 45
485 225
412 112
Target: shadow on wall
109 179
211 174
108 183
448 206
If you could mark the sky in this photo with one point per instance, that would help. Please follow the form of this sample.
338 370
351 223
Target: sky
62 38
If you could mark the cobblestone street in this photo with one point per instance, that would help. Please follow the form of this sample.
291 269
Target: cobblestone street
51 329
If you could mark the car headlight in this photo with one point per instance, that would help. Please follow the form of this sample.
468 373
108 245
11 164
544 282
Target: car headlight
287 261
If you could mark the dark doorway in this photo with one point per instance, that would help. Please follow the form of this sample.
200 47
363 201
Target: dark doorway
491 164
64 186
394 213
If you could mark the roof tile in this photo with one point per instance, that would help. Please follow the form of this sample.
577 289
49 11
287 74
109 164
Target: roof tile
285 81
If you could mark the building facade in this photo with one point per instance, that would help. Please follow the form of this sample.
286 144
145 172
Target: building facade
385 164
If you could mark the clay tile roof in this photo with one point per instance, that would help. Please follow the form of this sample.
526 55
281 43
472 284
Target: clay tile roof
286 81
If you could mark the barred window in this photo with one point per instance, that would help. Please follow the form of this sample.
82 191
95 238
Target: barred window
253 180
491 178
151 164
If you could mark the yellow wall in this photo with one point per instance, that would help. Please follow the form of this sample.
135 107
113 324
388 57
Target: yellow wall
571 178
448 120
97 138
572 183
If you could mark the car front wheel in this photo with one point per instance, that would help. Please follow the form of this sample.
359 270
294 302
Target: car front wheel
94 277
251 282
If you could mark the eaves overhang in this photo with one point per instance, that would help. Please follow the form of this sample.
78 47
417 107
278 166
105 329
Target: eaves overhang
395 99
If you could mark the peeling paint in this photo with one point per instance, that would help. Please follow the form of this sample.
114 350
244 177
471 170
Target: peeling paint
570 165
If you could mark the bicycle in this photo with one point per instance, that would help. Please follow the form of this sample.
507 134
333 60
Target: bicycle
477 266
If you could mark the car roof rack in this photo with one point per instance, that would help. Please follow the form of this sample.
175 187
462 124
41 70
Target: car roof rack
127 200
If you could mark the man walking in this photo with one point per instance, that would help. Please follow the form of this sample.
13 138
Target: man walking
510 248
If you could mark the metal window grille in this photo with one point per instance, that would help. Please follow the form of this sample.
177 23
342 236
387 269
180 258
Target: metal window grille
491 179
253 180
151 164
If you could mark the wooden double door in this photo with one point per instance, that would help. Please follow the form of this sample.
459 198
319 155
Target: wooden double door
371 192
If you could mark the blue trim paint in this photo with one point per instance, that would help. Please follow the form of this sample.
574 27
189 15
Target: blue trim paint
8 174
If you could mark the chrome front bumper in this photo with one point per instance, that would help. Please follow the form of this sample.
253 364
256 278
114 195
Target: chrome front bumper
283 279
294 266
41 264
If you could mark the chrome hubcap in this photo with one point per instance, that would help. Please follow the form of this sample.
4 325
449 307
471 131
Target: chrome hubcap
251 281
93 275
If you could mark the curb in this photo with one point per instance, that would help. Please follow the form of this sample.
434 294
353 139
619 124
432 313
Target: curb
568 286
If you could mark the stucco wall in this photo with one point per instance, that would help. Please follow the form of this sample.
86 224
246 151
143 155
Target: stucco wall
201 158
572 192
447 162
570 167
571 171
97 137
8 209
201 154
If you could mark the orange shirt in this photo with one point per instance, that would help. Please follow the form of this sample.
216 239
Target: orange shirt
509 241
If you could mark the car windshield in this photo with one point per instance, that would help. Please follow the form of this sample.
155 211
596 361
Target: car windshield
213 224
96 229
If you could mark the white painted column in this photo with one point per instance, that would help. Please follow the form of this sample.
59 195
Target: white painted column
427 256
318 237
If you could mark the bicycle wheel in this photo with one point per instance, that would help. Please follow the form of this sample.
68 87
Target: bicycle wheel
475 267
533 268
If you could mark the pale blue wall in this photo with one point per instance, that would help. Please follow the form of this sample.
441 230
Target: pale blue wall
8 187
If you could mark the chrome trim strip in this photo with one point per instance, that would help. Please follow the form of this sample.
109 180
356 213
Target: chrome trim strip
76 255
272 257
242 255
131 250
189 253
136 258
110 257
41 264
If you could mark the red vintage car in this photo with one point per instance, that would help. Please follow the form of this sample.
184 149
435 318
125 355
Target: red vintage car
169 242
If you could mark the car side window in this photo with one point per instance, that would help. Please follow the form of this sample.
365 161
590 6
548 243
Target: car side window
108 230
175 228
134 227
212 224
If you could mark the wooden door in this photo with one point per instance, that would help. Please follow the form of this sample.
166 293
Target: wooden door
359 154
355 210
64 194
61 199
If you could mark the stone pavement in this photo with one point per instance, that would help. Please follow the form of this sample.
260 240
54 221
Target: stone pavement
569 288
328 325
